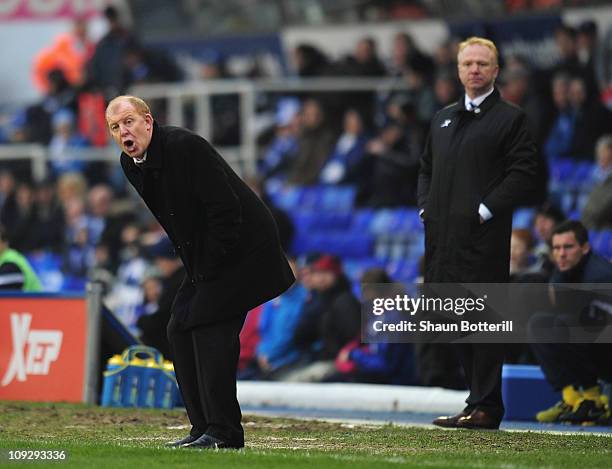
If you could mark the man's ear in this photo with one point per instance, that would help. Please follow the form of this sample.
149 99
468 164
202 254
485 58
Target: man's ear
586 247
149 121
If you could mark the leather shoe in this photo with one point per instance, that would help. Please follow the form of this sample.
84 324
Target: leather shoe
188 439
479 420
211 442
449 421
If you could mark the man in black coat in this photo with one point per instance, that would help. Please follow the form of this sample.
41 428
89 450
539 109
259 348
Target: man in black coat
228 242
479 163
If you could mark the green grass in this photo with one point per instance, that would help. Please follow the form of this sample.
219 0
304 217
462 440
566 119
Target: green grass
96 437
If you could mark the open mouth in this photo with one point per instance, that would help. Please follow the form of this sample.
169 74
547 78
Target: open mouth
129 144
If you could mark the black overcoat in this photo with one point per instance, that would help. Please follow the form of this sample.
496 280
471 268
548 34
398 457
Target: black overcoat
224 234
471 158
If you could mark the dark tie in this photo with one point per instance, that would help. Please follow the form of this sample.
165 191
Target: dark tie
472 106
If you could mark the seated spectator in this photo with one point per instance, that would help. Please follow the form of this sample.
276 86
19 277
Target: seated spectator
344 163
592 120
38 119
445 90
334 323
364 62
523 265
546 218
559 142
15 271
283 149
153 326
597 212
152 287
309 61
376 361
49 219
314 145
64 145
573 368
126 295
392 160
20 224
276 352
404 51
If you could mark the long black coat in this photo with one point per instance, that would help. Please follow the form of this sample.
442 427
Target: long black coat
472 158
224 234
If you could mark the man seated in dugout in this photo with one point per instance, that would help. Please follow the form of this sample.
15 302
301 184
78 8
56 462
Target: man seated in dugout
573 368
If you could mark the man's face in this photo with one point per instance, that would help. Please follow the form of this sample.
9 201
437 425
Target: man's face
477 69
566 250
132 131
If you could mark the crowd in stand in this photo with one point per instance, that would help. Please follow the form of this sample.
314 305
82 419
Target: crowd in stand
85 223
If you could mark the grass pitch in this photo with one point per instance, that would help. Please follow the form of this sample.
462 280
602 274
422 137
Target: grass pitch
97 437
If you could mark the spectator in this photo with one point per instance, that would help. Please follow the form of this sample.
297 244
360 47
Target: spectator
309 61
445 90
392 160
560 138
69 53
8 204
344 163
276 352
38 119
597 212
523 264
337 320
226 125
64 144
404 53
517 89
152 289
281 153
48 219
314 145
573 368
15 271
591 120
143 65
21 227
105 70
364 62
249 339
547 216
153 326
126 295
376 361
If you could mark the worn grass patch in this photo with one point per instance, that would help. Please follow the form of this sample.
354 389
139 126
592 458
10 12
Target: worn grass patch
114 438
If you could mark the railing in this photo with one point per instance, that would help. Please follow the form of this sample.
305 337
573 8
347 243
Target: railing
198 94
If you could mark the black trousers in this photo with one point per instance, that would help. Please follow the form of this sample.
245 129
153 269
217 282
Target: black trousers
205 363
482 365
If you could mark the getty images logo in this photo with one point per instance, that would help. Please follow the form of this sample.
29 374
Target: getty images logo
33 350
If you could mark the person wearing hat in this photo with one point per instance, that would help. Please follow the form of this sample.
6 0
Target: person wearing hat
229 244
334 321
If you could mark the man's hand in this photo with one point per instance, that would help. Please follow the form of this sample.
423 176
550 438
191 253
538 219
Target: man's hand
263 363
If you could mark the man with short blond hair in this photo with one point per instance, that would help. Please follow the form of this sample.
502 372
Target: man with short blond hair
479 163
230 248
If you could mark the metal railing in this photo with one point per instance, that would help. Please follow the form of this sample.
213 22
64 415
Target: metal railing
178 96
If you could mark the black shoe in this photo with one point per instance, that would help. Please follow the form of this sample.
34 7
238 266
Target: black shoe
210 442
587 412
188 439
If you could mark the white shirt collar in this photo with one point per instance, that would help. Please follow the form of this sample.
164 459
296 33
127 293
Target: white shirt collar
477 101
141 160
